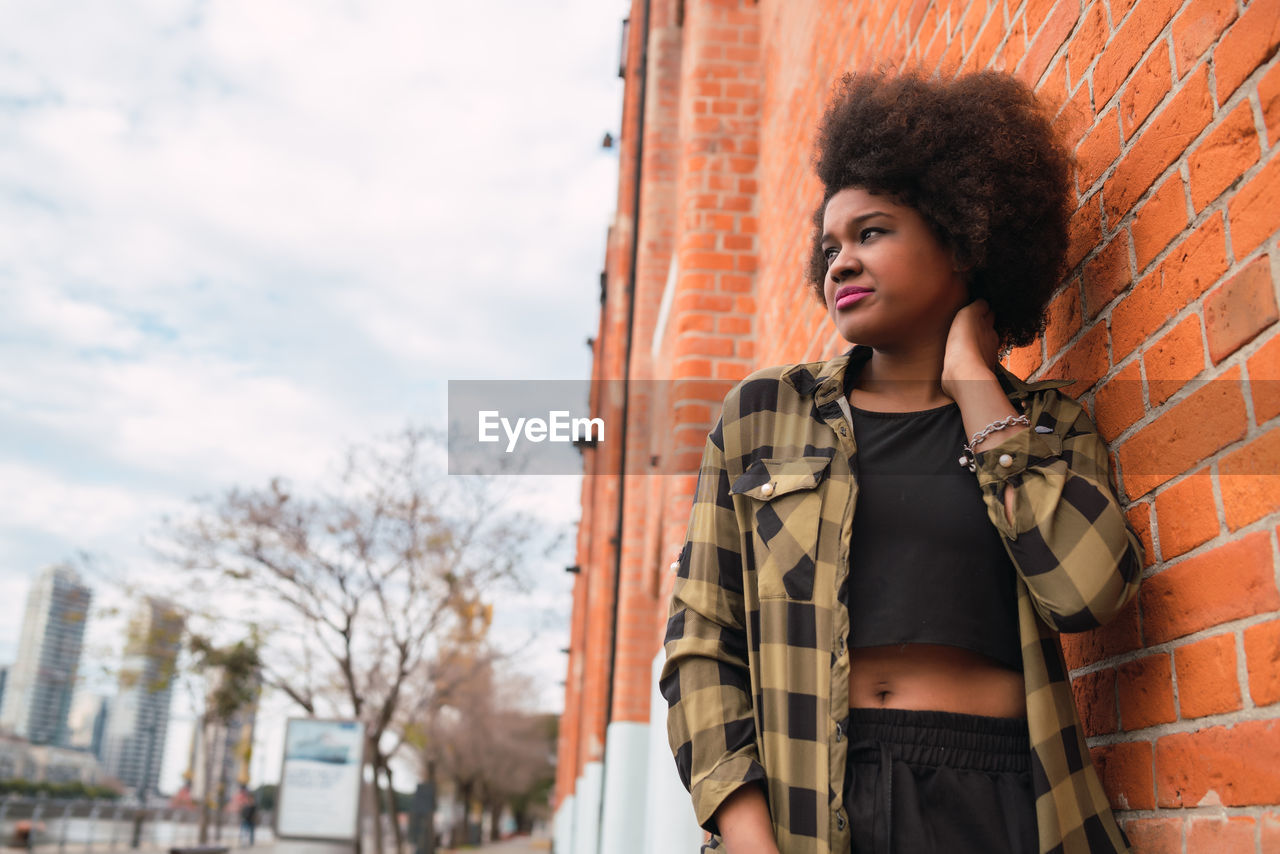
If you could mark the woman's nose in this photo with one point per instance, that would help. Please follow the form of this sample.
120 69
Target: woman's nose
846 263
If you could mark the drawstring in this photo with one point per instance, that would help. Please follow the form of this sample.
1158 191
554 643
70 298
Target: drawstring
883 834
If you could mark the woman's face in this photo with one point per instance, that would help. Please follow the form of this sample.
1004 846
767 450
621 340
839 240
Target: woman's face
890 283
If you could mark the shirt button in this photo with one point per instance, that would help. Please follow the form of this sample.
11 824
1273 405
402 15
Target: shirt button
840 645
1005 461
839 820
766 490
844 431
839 732
675 566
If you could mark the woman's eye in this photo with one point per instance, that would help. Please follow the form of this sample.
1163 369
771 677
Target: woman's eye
868 232
830 254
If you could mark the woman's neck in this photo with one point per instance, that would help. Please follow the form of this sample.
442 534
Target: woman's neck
902 381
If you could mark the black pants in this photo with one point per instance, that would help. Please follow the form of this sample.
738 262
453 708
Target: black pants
925 782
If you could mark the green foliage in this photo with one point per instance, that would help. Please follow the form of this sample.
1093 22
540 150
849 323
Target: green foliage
239 664
66 791
265 795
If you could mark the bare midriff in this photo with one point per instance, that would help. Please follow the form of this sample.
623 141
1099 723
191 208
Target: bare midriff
928 677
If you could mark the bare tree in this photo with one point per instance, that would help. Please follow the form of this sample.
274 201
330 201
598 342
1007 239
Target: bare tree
370 574
480 735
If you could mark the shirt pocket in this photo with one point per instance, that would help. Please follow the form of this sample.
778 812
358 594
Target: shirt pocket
787 508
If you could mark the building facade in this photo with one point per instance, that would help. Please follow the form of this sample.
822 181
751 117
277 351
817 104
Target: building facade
134 742
1167 320
47 763
41 682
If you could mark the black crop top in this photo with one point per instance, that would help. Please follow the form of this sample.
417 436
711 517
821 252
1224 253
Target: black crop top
926 564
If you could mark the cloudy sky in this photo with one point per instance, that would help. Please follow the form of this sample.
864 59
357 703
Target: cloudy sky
237 235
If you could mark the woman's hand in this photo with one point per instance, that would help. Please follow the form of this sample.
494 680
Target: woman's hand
972 346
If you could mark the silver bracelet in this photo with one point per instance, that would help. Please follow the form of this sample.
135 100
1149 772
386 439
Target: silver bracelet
969 459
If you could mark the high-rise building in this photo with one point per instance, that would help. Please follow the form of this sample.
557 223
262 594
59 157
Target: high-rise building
87 723
133 746
40 683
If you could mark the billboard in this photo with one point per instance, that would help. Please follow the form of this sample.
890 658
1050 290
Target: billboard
320 780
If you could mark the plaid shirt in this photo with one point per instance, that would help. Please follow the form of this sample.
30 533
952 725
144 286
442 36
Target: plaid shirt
757 665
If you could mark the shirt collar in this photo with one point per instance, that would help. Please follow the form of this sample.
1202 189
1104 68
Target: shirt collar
825 380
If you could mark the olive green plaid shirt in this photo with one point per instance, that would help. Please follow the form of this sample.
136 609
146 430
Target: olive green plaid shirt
757 666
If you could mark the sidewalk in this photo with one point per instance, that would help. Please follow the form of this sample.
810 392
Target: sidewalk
518 845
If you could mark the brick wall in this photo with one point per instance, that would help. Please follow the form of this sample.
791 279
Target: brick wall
1167 319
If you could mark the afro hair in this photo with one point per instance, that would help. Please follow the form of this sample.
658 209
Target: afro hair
977 157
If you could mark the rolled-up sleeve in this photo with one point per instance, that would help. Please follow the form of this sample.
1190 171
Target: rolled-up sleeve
1068 538
705 679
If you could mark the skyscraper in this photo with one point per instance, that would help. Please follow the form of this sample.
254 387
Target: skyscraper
38 690
135 738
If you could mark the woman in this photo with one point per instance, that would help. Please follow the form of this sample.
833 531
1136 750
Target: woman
862 647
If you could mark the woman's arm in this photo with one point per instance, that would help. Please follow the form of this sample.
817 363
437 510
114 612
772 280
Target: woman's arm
705 680
1047 489
745 826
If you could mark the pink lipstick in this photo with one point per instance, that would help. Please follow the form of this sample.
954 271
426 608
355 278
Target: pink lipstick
849 295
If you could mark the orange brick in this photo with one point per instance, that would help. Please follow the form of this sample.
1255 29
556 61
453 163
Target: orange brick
1139 518
1224 156
1161 218
1242 307
1086 361
1035 13
1119 636
1232 581
734 325
1052 91
1262 657
1186 515
1264 380
1128 44
1240 764
1207 683
1185 273
1075 118
1126 771
1045 44
1146 88
1270 831
1164 140
1023 361
1250 481
1155 835
1174 360
1118 9
1095 695
1118 402
1253 212
1015 47
1269 95
1099 149
1210 418
1250 42
972 21
1146 692
1090 36
1085 230
694 323
1221 835
1198 27
1062 319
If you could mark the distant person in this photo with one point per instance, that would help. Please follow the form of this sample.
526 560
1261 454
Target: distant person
248 814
